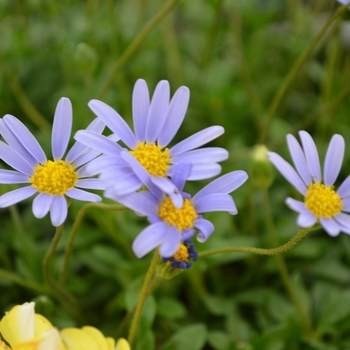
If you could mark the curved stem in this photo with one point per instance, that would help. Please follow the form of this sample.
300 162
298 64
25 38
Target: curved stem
142 298
293 71
262 251
73 234
65 297
282 266
134 45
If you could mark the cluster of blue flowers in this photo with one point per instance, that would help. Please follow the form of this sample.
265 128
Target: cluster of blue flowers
139 170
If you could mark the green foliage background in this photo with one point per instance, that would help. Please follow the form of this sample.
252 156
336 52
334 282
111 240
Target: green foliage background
233 55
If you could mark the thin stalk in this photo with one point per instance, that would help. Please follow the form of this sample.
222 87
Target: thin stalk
9 276
293 72
282 266
142 298
67 300
134 45
78 220
29 109
261 251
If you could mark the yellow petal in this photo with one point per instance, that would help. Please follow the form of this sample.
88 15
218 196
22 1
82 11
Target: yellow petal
110 342
76 339
18 324
122 344
49 340
98 337
42 324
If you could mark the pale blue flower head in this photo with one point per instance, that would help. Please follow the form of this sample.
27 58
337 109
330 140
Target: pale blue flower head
51 179
170 225
321 202
147 156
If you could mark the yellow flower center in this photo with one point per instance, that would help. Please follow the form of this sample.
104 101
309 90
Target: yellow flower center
181 254
182 218
155 160
323 201
54 177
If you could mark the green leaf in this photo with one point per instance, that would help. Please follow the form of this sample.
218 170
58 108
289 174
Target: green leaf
189 338
171 309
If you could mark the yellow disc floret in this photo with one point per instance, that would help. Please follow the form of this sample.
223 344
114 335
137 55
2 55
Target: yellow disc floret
153 158
182 218
323 201
54 177
182 253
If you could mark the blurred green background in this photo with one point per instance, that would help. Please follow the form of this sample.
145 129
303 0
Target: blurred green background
234 56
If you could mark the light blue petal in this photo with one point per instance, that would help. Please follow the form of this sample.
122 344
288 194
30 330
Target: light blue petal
330 226
25 137
58 210
295 205
98 142
215 202
97 125
288 172
141 173
311 155
334 159
306 219
124 186
299 159
344 188
158 111
14 159
224 184
13 177
188 233
179 175
14 143
16 196
140 108
343 220
82 195
201 171
168 187
171 242
62 128
176 113
346 204
92 184
205 228
142 202
150 238
41 204
203 155
114 121
198 139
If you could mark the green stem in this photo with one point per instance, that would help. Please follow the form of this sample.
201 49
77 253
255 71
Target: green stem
67 300
293 72
261 251
32 113
134 45
142 298
282 266
9 276
82 212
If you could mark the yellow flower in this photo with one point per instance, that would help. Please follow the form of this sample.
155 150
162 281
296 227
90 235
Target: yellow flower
24 330
90 338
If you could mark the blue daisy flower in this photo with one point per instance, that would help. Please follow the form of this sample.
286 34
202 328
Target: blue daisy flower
52 179
170 225
147 160
321 202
